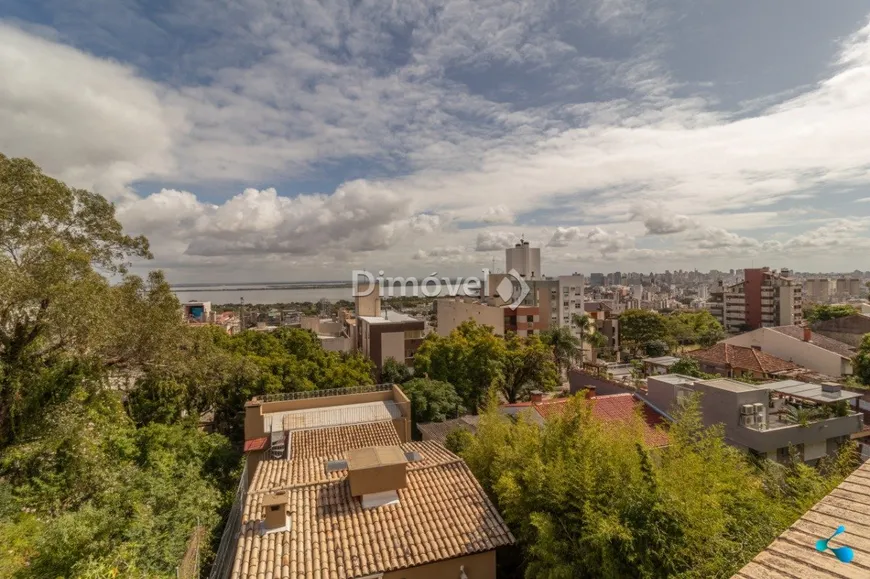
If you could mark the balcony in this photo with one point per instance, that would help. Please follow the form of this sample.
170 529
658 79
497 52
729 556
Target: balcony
775 432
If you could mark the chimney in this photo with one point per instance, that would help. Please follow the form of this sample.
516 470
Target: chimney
808 334
376 473
276 514
537 396
831 387
589 392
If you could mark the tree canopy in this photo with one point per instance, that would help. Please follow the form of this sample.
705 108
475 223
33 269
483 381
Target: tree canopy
862 361
432 401
824 312
638 327
589 499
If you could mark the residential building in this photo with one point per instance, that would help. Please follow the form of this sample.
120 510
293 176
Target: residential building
197 312
597 279
733 361
755 417
659 365
331 333
849 287
802 346
525 259
764 298
339 491
606 324
569 300
390 335
849 329
794 552
818 289
451 312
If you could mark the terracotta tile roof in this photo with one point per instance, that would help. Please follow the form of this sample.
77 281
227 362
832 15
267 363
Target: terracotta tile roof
824 342
742 358
794 554
438 431
443 513
613 408
280 474
330 441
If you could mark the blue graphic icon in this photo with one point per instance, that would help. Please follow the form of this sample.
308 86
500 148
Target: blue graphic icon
844 554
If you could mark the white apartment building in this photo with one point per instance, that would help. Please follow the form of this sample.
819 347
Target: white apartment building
819 289
568 298
525 259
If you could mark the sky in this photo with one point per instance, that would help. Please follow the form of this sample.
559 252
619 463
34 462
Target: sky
258 140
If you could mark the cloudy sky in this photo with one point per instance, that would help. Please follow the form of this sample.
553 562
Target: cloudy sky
257 140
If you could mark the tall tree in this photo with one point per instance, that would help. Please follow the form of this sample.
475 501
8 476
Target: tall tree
586 327
824 312
432 400
862 361
528 365
564 345
470 358
56 242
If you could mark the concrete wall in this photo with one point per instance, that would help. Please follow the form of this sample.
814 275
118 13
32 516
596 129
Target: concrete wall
392 346
335 344
451 313
479 566
579 381
803 353
849 330
310 323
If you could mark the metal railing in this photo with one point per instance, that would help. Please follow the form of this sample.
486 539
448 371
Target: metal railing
223 560
326 392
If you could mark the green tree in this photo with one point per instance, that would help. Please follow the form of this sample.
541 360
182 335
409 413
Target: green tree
585 499
564 345
639 327
432 400
527 365
586 327
655 348
395 372
824 312
470 358
53 299
458 440
689 367
861 361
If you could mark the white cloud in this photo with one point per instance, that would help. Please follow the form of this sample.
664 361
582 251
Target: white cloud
498 214
495 240
92 123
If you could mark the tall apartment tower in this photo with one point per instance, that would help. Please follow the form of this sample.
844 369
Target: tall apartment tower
763 299
819 289
525 259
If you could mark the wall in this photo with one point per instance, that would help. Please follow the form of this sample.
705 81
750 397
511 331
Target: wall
479 566
310 323
335 344
849 330
803 353
752 295
451 313
392 346
579 380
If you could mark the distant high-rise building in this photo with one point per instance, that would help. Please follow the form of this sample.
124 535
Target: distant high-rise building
525 259
818 289
764 298
617 278
597 279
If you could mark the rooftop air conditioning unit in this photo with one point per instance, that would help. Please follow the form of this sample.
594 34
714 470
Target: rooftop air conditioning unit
759 408
747 409
748 420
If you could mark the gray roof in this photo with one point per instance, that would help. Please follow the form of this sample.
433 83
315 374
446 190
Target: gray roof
662 361
438 431
794 554
824 342
331 416
808 391
730 385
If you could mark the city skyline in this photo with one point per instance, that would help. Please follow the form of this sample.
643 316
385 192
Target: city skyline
306 140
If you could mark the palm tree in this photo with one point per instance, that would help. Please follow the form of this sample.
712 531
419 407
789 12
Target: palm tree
586 326
564 345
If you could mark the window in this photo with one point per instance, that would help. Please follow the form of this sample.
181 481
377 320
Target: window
530 319
531 332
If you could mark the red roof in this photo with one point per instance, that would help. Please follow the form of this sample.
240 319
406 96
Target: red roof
742 358
610 408
256 444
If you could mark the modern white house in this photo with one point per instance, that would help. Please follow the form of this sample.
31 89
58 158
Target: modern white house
802 346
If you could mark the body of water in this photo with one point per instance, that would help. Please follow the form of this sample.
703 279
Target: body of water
263 296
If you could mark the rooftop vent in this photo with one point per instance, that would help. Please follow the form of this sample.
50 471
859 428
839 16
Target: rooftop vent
335 466
831 387
376 470
276 514
413 456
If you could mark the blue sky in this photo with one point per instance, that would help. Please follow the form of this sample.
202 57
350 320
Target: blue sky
261 140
